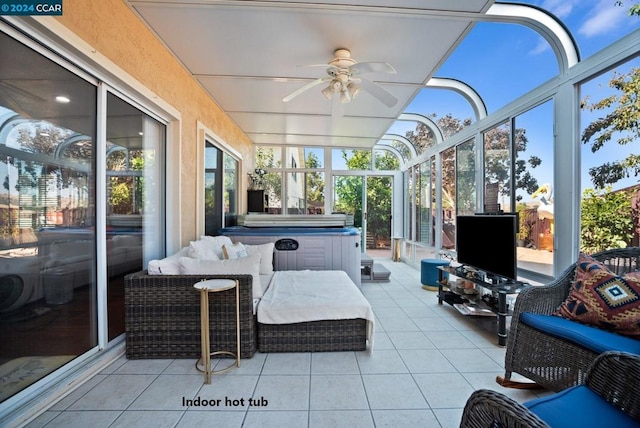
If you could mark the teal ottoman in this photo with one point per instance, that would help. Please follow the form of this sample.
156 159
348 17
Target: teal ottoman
429 273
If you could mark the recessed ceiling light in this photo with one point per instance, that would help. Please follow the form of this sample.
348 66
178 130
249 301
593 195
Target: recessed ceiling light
140 133
62 99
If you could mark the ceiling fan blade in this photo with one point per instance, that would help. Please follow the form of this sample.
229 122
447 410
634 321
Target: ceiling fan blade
382 94
319 65
306 87
372 67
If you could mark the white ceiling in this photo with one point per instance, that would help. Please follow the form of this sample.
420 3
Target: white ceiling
247 55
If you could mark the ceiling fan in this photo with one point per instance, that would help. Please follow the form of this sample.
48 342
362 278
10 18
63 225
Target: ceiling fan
345 79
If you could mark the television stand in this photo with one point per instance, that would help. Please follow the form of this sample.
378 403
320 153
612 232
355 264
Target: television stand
497 285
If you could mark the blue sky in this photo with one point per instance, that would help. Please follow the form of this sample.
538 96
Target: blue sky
504 61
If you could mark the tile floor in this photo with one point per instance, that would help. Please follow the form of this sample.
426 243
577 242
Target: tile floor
427 360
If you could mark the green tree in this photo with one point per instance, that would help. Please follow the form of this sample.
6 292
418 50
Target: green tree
497 167
314 181
272 180
621 123
126 191
607 220
348 189
349 193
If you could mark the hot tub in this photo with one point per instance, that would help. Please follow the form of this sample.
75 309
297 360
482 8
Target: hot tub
300 248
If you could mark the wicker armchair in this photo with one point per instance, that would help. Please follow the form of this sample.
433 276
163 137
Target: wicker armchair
551 362
614 376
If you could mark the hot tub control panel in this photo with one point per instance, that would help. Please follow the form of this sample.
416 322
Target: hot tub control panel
286 244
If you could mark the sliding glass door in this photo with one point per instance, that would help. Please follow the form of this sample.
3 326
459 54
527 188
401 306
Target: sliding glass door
134 189
79 209
375 193
48 287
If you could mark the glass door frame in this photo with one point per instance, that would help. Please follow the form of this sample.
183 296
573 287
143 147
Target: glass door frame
395 177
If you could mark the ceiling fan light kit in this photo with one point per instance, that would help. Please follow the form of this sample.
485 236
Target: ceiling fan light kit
344 79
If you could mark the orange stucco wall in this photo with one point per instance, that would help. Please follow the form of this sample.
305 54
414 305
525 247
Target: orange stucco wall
115 31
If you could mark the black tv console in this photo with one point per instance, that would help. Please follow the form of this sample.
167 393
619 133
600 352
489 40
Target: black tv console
497 285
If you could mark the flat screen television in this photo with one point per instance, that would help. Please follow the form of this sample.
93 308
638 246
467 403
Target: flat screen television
488 243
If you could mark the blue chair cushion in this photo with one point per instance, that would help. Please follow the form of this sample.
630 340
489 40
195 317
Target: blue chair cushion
579 407
595 339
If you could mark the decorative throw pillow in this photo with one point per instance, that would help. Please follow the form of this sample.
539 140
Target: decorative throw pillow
600 298
208 247
245 265
266 256
234 251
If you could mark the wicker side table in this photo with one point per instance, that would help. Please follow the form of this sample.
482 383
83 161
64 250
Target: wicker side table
214 286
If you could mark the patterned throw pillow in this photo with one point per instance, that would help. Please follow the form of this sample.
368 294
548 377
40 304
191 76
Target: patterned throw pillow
600 298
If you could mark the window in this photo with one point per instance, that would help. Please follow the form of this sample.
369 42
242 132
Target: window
350 159
230 195
221 189
384 160
534 141
466 178
449 198
426 217
609 212
497 169
305 196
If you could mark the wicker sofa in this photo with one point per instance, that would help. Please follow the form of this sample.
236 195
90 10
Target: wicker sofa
162 316
548 359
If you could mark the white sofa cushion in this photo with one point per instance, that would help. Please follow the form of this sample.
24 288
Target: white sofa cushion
169 265
266 256
244 265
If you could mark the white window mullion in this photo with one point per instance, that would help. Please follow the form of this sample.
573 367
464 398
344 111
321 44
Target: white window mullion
101 216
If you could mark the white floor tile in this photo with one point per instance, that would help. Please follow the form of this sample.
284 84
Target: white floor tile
200 418
341 419
471 360
276 419
284 392
287 363
143 367
393 391
167 392
444 390
399 324
336 362
227 393
448 418
426 361
79 419
449 340
155 419
381 361
381 340
117 392
338 392
410 340
404 418
78 393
